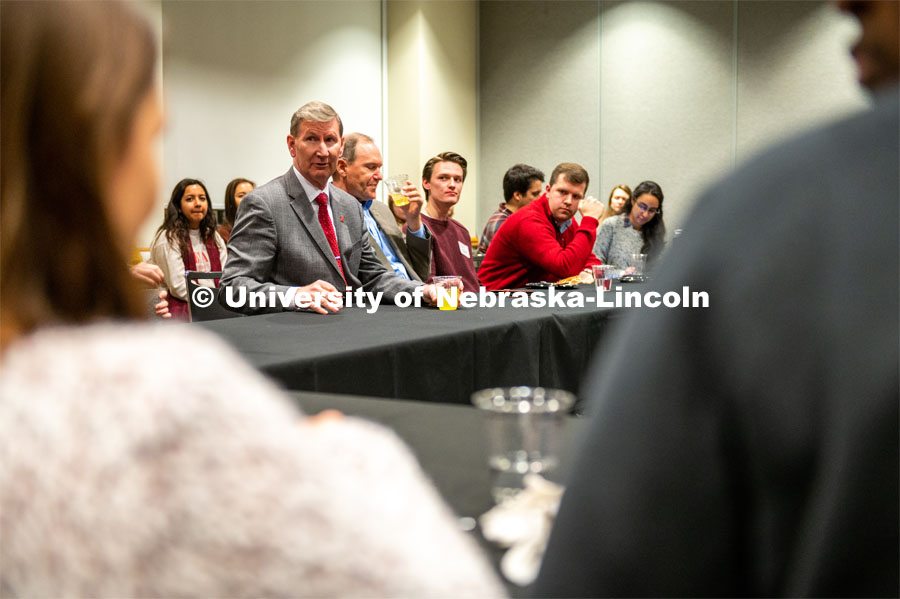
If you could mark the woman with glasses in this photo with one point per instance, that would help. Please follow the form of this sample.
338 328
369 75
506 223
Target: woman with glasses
639 229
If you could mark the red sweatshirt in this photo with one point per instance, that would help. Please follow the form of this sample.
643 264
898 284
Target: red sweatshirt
529 247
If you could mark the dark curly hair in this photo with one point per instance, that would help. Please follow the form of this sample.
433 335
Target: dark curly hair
176 224
654 232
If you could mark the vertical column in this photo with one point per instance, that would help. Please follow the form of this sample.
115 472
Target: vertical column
432 90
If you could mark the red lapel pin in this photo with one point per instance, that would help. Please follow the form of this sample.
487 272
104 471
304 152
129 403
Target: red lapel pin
342 218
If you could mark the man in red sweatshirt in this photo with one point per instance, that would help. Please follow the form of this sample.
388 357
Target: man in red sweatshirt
542 242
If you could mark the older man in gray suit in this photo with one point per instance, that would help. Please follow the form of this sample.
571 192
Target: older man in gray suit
300 237
358 173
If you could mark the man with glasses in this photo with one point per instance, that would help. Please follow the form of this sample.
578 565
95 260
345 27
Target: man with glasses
542 242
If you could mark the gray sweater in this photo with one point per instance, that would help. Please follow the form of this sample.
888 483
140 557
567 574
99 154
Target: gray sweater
616 241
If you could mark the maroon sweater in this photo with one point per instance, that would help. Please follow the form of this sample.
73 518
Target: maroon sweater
529 247
447 257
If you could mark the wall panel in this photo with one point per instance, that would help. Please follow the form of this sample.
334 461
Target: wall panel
539 90
666 102
673 91
235 72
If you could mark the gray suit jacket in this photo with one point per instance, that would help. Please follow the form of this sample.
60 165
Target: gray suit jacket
277 243
414 252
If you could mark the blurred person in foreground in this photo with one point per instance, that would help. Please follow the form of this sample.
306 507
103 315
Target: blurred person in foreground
125 473
358 173
522 184
542 242
758 455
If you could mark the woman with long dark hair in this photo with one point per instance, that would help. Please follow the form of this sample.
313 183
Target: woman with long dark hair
187 240
639 229
234 193
126 470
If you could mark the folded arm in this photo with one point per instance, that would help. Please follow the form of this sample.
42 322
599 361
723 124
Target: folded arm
543 248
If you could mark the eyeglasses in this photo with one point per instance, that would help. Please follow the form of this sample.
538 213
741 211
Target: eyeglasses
645 208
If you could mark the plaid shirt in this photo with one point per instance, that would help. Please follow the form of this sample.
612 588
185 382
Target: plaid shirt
490 229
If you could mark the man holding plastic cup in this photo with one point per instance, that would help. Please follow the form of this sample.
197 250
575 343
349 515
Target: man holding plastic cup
358 173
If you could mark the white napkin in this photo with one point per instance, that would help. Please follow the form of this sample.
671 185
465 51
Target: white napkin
523 524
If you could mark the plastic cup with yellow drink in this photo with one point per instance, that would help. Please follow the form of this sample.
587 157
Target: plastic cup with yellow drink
394 186
447 288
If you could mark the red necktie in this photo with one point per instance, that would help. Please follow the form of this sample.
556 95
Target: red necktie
328 229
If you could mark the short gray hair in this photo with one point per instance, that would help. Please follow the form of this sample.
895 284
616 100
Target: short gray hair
350 143
315 112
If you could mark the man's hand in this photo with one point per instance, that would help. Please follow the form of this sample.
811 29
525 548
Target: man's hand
592 207
430 293
149 274
325 416
162 308
321 297
413 209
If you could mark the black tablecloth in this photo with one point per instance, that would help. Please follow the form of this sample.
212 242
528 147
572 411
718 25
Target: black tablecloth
450 444
421 353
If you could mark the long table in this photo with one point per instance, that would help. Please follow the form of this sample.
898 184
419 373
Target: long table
450 444
422 353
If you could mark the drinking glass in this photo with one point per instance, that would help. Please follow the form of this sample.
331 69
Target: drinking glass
394 186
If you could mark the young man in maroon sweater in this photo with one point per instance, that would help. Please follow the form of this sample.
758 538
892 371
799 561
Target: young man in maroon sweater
542 242
442 179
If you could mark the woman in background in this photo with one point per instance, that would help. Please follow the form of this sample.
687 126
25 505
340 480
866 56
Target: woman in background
187 240
616 203
639 229
126 471
234 193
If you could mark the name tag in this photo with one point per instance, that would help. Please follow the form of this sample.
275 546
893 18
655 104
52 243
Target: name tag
464 249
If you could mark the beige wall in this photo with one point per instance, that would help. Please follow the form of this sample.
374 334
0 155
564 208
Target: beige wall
667 101
673 91
676 92
540 90
233 74
794 70
432 107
